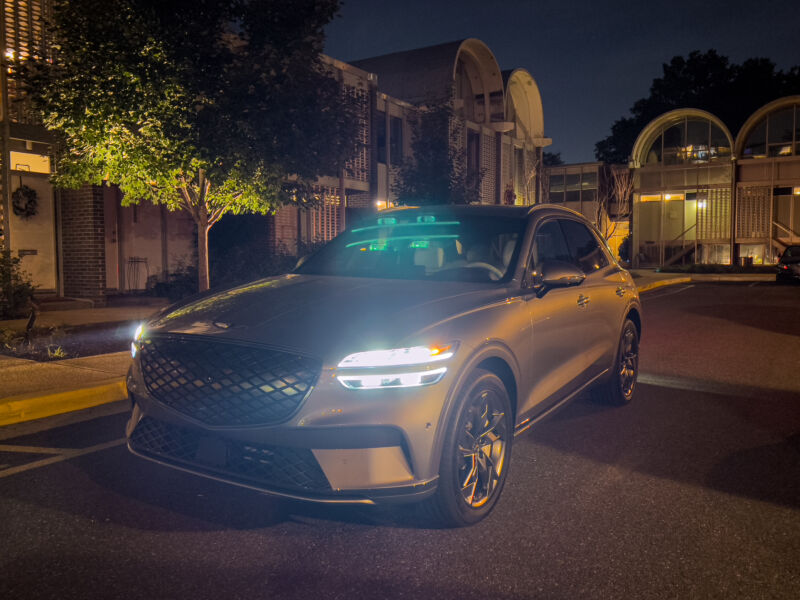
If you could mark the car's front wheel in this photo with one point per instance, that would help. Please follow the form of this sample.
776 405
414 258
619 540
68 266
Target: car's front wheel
476 453
618 388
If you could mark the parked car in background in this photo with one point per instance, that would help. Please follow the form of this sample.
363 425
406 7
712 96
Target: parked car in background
396 364
789 265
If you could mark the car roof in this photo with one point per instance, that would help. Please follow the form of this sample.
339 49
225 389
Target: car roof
485 210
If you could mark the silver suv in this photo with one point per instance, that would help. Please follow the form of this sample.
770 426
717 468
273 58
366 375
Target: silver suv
395 364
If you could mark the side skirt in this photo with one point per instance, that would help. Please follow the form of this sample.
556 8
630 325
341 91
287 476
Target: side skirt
530 422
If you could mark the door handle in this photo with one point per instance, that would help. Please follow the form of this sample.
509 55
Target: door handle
620 291
583 300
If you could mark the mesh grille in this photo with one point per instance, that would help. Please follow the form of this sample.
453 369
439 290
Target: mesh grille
273 467
226 384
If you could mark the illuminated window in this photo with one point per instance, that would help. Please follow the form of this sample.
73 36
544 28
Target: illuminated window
33 163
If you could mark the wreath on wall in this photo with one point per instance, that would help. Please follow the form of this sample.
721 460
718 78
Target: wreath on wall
25 201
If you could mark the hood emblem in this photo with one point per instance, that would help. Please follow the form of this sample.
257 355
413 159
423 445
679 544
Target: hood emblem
221 324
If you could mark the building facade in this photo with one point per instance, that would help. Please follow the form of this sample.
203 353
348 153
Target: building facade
84 243
702 196
503 133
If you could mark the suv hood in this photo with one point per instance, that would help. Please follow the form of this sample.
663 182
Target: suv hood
325 316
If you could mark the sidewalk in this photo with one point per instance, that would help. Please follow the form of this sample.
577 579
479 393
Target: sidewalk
32 390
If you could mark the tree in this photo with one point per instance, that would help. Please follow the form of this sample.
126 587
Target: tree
551 159
436 172
706 81
207 106
614 199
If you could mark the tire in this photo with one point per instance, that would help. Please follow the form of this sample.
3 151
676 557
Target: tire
619 387
473 468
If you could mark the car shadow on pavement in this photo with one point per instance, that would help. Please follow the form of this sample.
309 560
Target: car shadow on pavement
747 445
776 318
116 487
769 472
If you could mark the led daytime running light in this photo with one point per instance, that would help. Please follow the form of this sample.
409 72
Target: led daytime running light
398 357
392 380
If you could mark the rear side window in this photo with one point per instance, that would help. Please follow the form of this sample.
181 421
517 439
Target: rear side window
585 250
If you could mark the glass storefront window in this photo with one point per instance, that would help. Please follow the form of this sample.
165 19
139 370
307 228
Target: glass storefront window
753 252
756 144
697 141
556 183
720 146
780 126
573 181
589 180
654 154
797 128
673 144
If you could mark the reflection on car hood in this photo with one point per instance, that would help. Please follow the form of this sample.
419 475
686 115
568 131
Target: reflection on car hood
326 316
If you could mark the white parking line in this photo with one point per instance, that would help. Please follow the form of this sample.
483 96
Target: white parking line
61 457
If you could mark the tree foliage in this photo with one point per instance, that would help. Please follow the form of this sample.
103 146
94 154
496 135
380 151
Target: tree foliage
436 172
552 159
208 106
704 80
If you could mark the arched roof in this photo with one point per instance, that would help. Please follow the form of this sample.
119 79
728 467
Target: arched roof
651 131
759 116
426 74
522 94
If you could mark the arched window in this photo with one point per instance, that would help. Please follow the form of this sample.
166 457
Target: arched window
777 134
687 141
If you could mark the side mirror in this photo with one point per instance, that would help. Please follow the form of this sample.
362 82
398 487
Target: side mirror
557 273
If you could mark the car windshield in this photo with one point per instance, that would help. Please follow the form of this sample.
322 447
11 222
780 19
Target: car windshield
792 252
419 244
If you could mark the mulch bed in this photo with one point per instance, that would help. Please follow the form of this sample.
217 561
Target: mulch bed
46 344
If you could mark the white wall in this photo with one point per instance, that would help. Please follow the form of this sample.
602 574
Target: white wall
36 233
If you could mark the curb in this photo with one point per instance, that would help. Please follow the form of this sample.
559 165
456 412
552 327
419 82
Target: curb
28 407
664 282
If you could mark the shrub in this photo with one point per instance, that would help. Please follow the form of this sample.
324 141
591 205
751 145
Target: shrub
16 288
182 282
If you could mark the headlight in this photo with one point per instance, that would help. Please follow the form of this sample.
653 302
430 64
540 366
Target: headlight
137 335
396 368
416 355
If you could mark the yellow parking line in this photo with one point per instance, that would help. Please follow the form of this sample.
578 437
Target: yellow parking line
664 282
36 406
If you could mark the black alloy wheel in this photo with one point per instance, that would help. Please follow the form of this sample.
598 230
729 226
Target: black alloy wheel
619 387
476 453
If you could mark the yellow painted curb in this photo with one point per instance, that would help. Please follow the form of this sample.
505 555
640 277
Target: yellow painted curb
663 282
28 407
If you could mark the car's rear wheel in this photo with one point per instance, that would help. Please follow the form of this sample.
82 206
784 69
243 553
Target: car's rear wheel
618 388
476 453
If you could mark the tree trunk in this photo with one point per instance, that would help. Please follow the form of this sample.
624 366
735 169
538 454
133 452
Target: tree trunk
203 280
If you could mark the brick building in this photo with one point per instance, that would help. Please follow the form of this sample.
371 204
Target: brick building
85 244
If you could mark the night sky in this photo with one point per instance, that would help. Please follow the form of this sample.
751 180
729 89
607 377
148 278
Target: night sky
591 59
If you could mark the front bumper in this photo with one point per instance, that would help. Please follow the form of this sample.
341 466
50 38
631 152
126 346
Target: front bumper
352 465
341 446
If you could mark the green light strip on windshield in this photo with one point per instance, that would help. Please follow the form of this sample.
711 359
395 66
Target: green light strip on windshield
422 224
401 237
